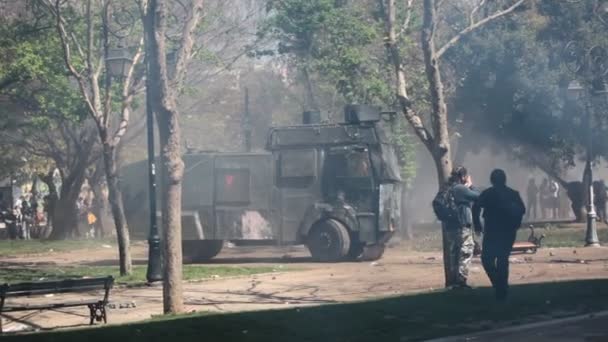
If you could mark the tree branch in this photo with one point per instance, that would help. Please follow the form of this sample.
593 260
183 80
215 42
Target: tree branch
127 97
474 11
185 50
474 26
67 57
408 18
105 47
401 81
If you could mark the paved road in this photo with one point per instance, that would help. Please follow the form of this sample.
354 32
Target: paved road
593 328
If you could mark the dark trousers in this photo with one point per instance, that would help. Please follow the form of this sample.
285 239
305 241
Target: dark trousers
495 260
600 209
532 207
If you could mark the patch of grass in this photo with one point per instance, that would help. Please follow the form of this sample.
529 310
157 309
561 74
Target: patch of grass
563 235
9 248
138 276
568 235
407 318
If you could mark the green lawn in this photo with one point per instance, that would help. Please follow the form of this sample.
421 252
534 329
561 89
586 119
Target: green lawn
191 272
9 248
428 238
407 318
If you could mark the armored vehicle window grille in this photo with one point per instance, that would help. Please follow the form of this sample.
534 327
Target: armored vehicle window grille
349 163
232 186
296 168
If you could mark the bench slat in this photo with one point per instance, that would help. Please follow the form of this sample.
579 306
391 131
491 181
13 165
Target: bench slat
61 286
28 307
39 292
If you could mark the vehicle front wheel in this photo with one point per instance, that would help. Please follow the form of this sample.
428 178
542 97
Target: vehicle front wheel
328 241
201 250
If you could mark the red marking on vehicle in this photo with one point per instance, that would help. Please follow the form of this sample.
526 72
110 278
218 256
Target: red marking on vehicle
229 180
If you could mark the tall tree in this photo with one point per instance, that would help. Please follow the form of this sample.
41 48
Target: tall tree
434 44
163 86
85 56
41 113
512 93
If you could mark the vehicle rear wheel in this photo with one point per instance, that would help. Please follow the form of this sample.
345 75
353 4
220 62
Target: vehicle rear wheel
201 250
328 241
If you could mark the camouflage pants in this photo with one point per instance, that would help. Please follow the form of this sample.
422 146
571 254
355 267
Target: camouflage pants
460 245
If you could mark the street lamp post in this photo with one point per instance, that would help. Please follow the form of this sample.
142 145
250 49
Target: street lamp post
579 92
154 272
591 66
118 61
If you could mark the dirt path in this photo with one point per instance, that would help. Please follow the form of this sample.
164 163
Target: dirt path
399 272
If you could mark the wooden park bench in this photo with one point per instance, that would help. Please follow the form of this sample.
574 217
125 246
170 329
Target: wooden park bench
97 307
530 246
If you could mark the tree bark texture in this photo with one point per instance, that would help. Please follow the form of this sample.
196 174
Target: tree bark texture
51 202
310 102
117 207
439 111
577 193
164 92
65 213
99 209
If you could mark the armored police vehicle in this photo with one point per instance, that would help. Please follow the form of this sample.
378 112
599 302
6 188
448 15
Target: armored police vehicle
332 187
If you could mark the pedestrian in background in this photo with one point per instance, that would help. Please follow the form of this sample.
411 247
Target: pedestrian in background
544 197
554 199
600 197
532 199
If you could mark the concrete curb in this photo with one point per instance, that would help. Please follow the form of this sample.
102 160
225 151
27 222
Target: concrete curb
519 328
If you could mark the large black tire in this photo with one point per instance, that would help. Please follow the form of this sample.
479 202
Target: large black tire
201 250
328 241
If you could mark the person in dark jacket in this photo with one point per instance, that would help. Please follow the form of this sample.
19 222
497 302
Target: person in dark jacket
600 197
460 236
503 210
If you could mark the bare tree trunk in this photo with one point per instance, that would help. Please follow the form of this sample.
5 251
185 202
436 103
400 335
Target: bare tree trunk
171 186
439 118
577 193
99 101
164 92
51 201
439 110
117 207
311 103
99 209
65 213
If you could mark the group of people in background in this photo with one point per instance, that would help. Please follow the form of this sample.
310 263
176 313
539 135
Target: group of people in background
24 218
549 201
28 216
546 197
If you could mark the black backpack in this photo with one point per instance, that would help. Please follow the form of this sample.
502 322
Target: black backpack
444 206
